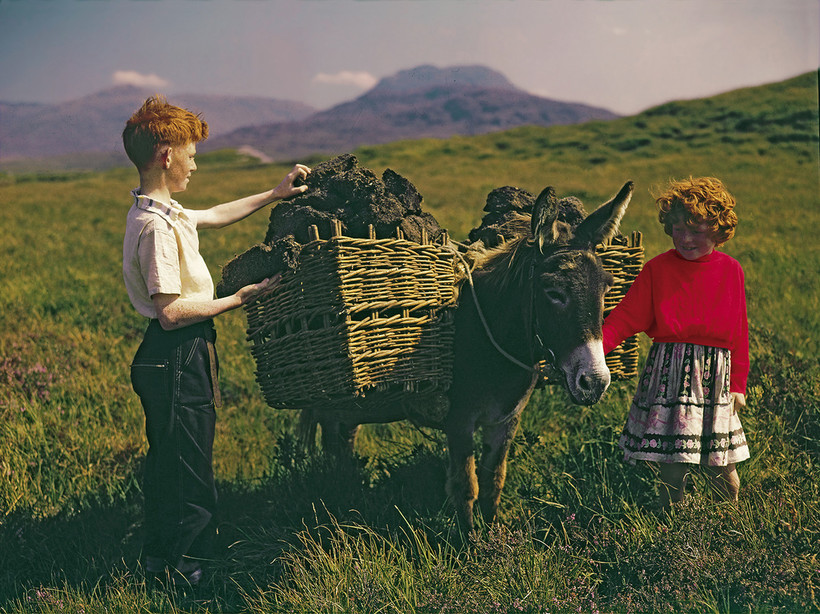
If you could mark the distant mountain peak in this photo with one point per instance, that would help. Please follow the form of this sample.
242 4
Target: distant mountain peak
428 76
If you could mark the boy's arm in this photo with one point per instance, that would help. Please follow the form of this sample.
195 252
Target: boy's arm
228 213
174 312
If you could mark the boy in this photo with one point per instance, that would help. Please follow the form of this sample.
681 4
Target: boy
175 368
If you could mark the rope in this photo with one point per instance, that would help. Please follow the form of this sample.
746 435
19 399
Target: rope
501 350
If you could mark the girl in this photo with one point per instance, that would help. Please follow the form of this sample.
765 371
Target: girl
691 301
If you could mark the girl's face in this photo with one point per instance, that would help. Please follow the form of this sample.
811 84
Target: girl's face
692 241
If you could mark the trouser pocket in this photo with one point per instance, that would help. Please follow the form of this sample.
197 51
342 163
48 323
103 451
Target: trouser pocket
196 374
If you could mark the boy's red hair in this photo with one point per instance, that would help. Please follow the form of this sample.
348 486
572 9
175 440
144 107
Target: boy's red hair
702 200
158 123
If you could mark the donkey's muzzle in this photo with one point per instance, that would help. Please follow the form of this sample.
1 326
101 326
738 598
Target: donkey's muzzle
587 376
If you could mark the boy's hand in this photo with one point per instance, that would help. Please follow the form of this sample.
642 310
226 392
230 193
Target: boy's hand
252 291
293 183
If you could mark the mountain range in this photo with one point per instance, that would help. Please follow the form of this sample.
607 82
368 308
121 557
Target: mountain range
420 102
93 124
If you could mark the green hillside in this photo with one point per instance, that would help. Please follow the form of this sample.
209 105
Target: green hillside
734 135
300 534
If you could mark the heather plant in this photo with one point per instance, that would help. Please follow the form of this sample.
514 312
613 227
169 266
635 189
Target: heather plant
28 381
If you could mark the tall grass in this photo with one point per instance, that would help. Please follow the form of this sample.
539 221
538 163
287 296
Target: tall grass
578 529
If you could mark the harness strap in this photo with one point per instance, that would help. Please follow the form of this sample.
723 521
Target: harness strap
501 350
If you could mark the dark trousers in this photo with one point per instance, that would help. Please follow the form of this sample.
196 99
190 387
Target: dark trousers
174 374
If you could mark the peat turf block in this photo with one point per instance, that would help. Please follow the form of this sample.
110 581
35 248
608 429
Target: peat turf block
338 189
504 210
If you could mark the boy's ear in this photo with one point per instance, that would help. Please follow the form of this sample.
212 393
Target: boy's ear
162 157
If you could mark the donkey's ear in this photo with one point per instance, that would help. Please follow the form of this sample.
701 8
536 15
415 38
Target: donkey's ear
544 219
602 224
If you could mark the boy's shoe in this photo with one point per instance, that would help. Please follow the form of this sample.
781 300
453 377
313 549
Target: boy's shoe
186 573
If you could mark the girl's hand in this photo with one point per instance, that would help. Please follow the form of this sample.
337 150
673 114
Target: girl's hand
738 401
252 291
287 187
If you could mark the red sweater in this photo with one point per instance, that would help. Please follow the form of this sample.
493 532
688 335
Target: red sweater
701 301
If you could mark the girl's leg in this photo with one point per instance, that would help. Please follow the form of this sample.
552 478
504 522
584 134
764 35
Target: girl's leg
672 483
725 481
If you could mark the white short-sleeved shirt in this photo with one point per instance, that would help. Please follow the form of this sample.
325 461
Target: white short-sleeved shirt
160 254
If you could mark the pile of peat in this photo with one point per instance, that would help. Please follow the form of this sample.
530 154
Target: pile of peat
338 189
508 212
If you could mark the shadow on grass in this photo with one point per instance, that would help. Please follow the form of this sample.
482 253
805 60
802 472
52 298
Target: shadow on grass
97 548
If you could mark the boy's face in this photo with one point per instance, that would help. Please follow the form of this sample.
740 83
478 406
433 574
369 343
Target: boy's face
179 166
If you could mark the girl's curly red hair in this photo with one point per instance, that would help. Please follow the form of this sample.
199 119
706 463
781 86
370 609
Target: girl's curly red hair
701 200
158 123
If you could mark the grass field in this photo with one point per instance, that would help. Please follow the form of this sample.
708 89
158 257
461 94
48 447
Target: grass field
578 529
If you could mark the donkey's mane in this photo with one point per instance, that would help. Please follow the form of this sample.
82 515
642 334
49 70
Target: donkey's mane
509 261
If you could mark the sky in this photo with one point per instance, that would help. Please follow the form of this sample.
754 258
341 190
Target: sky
623 55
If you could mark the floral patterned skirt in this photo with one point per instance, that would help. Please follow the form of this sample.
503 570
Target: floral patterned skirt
682 411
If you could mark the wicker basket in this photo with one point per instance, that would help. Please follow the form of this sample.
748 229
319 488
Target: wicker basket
623 258
361 323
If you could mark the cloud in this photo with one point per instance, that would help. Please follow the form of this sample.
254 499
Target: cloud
362 80
132 77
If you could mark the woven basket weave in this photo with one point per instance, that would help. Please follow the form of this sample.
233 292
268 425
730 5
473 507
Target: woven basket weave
623 258
361 323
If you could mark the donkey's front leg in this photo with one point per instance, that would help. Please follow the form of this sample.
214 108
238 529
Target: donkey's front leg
462 487
492 470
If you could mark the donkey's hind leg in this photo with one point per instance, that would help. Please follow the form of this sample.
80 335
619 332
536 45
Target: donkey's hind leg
339 438
492 469
462 487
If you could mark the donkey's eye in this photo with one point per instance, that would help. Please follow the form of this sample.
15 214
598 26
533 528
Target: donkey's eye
557 297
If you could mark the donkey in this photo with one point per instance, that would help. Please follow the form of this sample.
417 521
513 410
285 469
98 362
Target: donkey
537 297
542 299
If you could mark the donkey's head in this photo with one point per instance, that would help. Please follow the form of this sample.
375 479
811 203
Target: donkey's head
568 287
